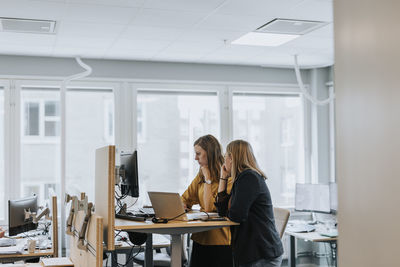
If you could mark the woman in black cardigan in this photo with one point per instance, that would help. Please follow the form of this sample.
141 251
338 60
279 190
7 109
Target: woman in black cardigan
255 242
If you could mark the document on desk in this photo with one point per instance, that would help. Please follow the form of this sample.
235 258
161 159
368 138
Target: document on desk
201 215
54 262
11 250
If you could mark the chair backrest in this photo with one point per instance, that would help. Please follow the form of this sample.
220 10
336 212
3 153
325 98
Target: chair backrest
281 219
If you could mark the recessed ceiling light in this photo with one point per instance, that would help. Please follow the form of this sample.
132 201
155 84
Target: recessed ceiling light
264 39
278 31
27 25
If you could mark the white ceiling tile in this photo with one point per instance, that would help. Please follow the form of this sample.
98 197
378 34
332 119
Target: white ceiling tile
167 18
312 10
184 5
192 47
152 33
94 30
232 22
199 35
27 39
95 43
74 51
134 54
100 13
120 3
153 45
169 30
32 9
259 8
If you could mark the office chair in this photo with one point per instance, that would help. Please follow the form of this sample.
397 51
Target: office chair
161 259
281 219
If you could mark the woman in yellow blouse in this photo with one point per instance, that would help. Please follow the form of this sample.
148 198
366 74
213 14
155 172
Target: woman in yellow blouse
210 248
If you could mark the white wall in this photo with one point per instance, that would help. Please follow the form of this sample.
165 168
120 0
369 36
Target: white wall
118 69
367 82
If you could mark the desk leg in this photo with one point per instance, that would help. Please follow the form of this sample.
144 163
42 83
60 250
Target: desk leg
292 252
176 251
148 252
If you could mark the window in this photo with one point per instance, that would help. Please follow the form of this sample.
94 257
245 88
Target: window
176 120
273 124
87 130
40 140
2 171
41 117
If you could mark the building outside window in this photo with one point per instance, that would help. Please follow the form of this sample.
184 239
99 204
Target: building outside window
40 140
274 127
166 157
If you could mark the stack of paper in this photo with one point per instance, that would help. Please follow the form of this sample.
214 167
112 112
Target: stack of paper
54 262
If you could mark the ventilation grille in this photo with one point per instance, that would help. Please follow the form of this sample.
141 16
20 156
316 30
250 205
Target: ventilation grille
288 26
27 25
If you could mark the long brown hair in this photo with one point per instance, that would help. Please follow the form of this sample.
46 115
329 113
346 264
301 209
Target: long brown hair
215 159
243 158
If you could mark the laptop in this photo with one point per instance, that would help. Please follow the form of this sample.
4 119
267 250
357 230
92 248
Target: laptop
170 206
167 205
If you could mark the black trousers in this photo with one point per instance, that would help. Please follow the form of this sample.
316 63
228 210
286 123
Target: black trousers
211 256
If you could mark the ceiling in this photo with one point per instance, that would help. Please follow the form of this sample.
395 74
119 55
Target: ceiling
198 31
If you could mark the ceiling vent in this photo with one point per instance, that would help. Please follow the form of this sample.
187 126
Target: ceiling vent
289 26
27 25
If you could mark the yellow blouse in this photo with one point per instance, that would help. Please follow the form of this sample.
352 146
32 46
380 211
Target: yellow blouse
194 195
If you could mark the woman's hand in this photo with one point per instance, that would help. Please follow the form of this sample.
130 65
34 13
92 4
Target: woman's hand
1 232
223 181
224 172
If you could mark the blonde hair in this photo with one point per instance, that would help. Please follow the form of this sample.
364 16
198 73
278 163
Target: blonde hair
215 159
242 158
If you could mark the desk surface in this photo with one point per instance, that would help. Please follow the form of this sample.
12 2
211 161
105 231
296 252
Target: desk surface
121 224
26 254
312 236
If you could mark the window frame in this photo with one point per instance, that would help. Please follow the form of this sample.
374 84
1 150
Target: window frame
277 90
5 84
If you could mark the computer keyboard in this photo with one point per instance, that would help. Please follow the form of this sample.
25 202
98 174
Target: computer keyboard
148 211
131 217
300 228
7 242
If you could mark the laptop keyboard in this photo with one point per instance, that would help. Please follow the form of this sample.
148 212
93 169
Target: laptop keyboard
149 211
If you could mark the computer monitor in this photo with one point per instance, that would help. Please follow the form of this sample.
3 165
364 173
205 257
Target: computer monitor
312 197
333 194
129 170
16 215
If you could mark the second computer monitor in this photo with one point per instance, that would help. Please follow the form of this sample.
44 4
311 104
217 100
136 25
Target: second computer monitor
130 180
313 197
16 215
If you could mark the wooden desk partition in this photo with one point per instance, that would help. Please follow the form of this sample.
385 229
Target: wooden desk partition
54 225
104 194
93 257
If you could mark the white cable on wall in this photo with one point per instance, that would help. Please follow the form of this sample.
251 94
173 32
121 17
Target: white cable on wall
87 72
305 92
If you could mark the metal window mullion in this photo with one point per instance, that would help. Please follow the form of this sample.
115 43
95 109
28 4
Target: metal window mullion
332 165
15 140
225 116
63 103
7 149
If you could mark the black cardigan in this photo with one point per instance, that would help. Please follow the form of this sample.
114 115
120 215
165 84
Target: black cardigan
256 237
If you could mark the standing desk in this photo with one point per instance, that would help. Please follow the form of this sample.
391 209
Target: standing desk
53 252
105 207
311 236
173 228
